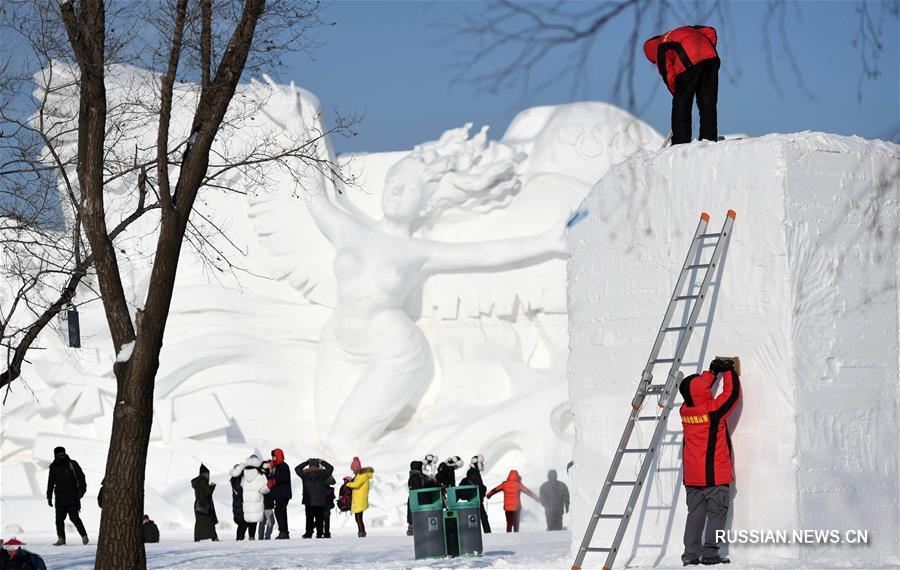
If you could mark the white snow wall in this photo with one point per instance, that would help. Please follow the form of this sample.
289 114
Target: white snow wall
808 301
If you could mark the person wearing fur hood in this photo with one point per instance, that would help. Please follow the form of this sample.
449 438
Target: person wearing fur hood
253 487
237 500
446 472
473 477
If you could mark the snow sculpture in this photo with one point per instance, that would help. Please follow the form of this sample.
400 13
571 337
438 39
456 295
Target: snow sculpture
808 301
237 373
373 363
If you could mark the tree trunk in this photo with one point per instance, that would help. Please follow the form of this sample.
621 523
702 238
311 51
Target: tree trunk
121 542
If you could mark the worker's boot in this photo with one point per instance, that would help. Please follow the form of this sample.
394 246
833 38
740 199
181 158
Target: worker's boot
84 539
60 541
711 560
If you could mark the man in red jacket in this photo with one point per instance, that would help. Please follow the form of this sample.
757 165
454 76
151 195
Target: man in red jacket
689 64
708 461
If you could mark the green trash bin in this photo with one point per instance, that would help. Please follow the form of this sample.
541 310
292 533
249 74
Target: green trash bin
465 502
427 508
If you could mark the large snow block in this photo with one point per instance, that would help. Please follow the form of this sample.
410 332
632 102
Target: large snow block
809 301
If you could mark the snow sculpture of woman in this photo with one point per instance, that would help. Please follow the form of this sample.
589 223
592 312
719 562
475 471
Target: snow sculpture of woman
374 363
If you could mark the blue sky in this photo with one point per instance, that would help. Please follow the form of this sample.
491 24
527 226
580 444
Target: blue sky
389 61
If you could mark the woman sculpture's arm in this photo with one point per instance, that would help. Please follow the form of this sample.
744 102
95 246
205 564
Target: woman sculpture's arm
285 109
444 256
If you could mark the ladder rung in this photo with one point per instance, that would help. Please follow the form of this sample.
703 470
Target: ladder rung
705 236
647 418
698 266
595 549
636 450
623 483
655 388
664 361
610 516
674 329
686 297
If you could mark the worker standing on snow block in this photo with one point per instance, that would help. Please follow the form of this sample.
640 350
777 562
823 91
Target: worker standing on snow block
708 461
689 64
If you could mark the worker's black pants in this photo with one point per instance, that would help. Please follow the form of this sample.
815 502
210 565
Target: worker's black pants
72 512
707 508
700 80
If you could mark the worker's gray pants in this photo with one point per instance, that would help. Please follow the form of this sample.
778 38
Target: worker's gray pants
707 507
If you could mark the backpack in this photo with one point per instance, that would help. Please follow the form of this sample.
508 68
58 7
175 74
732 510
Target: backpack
345 498
78 475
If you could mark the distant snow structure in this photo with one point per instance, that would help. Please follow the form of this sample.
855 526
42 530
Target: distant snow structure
809 301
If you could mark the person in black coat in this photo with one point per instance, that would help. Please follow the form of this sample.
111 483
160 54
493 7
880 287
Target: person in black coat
315 474
473 477
237 501
417 480
151 531
446 473
205 518
66 482
280 489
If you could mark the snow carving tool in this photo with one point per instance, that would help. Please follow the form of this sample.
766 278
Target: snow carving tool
576 217
666 392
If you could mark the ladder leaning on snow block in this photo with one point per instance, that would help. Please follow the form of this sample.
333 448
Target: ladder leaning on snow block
666 391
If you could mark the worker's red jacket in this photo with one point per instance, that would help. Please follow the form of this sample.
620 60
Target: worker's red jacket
708 459
676 51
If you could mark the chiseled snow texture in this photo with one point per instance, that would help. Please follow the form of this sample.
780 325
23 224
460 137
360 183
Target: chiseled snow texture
237 364
808 301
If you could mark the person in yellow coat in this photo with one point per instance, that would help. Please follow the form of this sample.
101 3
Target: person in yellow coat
360 485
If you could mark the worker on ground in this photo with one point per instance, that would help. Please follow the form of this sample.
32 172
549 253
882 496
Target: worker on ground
708 460
689 64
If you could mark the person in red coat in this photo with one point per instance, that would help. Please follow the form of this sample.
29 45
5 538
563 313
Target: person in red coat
708 458
689 64
512 489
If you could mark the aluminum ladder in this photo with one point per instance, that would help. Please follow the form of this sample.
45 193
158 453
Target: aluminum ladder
666 391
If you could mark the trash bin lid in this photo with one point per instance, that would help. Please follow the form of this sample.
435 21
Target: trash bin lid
426 500
463 497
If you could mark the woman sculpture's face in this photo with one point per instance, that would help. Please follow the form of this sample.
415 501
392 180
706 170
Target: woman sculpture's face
403 194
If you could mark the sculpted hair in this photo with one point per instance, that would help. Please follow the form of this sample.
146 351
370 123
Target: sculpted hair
458 172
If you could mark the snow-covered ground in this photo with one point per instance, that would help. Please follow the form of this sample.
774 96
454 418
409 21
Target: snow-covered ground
383 549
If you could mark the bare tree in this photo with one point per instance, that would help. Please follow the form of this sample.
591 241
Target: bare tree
512 40
59 164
